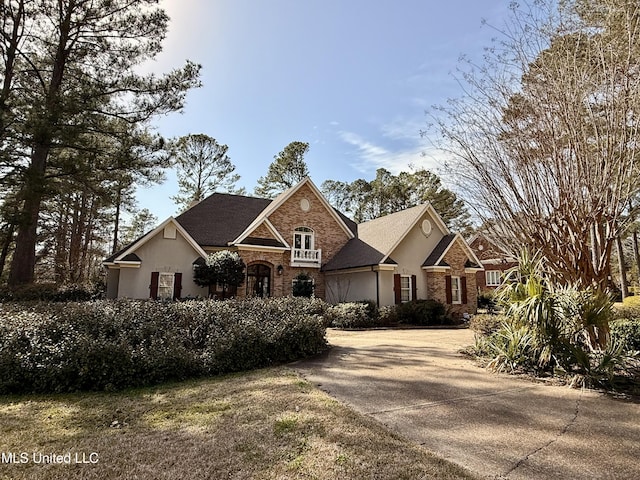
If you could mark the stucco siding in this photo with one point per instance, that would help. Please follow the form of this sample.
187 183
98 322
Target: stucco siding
412 251
160 255
351 287
387 295
113 280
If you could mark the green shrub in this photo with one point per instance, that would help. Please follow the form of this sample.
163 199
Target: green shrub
387 315
626 333
110 345
303 285
510 348
350 315
486 323
423 312
487 300
51 292
628 310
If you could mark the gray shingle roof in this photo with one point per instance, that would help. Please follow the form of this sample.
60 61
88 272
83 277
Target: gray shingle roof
438 251
355 253
263 242
385 232
220 218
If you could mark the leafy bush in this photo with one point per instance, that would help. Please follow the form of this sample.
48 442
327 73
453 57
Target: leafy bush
557 329
351 315
387 315
110 345
632 301
486 323
423 312
487 300
626 333
630 309
509 348
51 292
302 286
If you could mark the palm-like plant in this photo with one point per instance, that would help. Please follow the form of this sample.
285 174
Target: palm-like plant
566 323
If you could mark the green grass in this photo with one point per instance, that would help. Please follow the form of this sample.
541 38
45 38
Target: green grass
267 424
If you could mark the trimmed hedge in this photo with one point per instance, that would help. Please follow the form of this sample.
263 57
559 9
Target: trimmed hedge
111 345
423 312
51 292
365 314
351 315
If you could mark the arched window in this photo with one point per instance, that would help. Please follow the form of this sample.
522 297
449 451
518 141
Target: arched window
303 238
304 248
258 280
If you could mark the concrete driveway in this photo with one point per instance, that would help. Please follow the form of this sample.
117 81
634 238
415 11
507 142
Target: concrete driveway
416 383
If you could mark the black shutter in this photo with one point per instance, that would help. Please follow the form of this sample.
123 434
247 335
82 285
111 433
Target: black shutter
414 288
447 287
155 277
463 287
177 286
397 289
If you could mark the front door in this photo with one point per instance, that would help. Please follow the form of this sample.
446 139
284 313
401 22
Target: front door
258 281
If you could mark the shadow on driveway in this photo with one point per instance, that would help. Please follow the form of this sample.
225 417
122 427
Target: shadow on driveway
416 383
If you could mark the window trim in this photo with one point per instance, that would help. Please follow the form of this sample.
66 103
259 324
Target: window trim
456 291
168 286
489 283
408 289
304 232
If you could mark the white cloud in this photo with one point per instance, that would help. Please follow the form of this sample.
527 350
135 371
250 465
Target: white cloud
371 156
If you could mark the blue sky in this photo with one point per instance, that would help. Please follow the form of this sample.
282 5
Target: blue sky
351 77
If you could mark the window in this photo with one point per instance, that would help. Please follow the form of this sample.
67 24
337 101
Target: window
258 280
302 285
303 238
405 289
165 285
455 290
493 278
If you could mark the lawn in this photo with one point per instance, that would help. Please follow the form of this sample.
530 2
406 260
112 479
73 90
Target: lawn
266 424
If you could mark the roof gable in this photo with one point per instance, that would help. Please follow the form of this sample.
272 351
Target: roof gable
283 197
385 233
436 258
127 254
264 234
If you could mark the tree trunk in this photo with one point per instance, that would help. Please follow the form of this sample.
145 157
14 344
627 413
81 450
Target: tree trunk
636 253
24 256
6 245
116 226
623 274
77 229
62 232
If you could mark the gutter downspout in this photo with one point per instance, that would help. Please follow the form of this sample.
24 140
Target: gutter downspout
377 286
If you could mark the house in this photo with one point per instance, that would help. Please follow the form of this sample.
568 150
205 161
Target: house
399 257
405 256
494 259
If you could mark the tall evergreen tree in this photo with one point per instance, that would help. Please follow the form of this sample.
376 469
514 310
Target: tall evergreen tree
202 167
388 193
75 72
287 169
